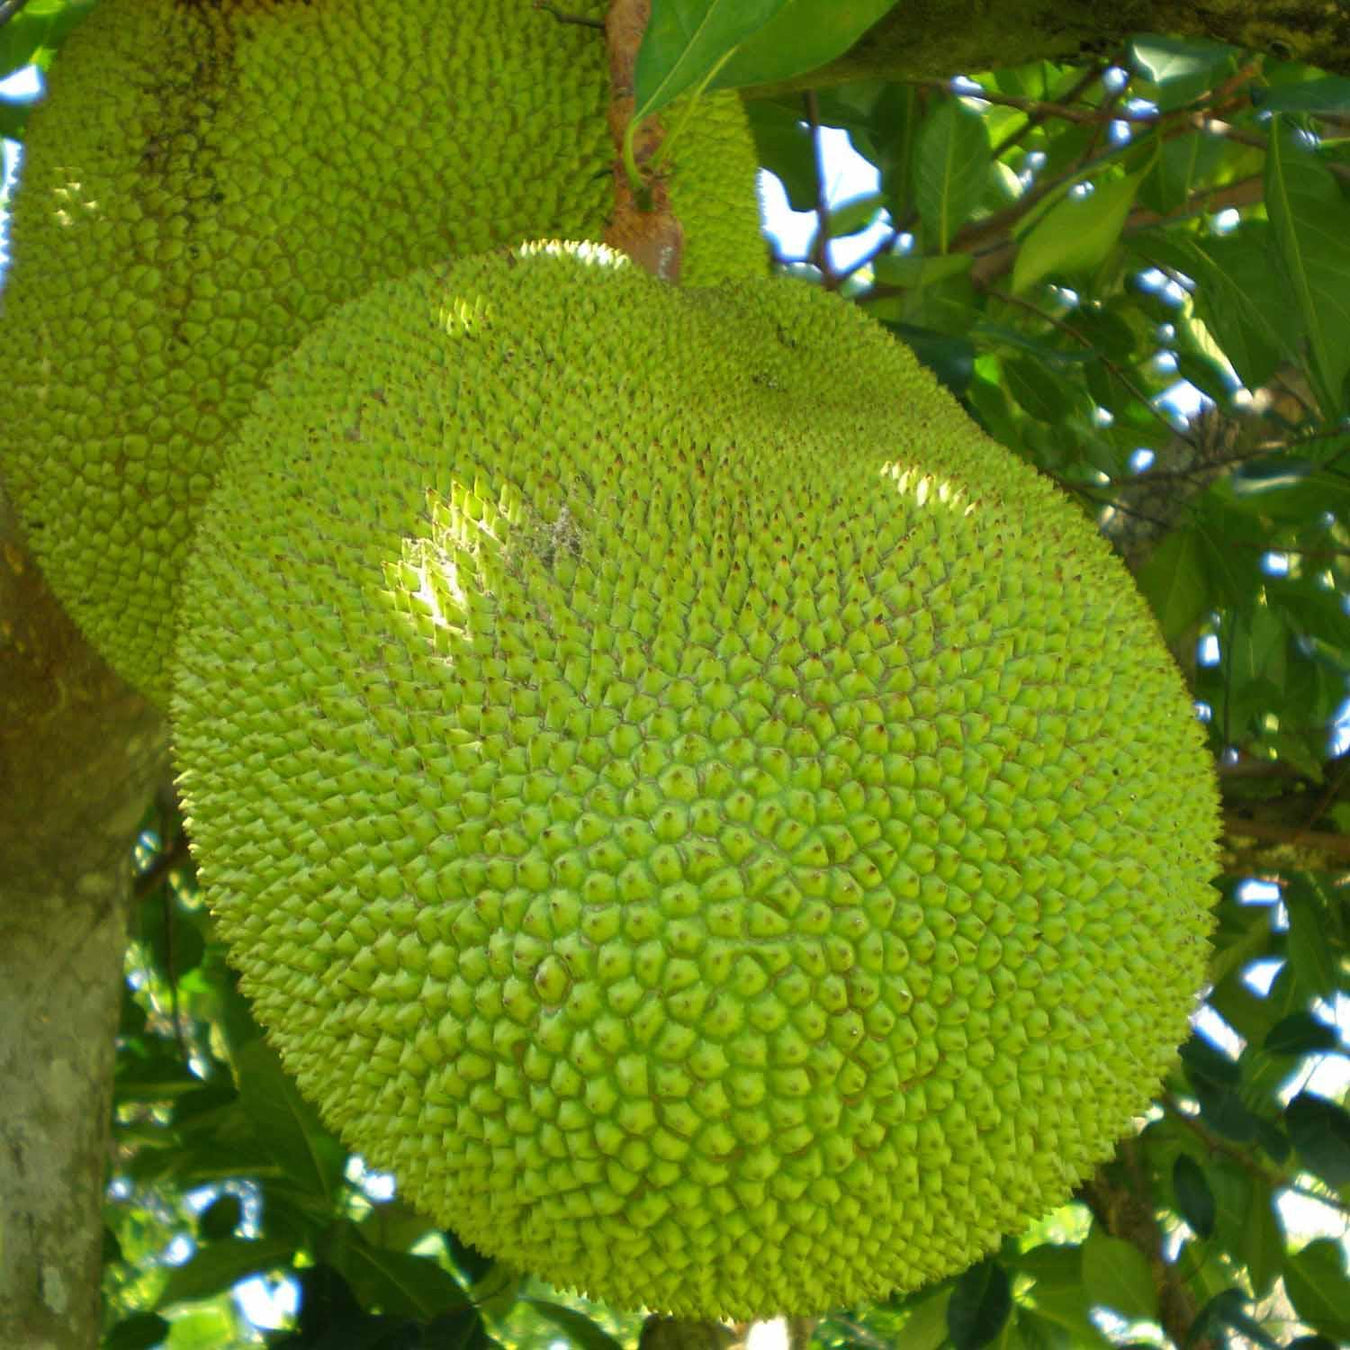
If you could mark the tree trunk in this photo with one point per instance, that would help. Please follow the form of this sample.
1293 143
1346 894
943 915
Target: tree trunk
926 39
79 754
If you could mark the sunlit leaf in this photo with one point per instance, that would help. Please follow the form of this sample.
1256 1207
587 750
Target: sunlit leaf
221 1265
577 1327
802 36
954 152
286 1124
1311 222
686 40
1263 1252
1175 582
1117 1275
1318 1288
1076 234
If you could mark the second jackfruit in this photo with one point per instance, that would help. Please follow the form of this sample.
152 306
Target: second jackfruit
204 182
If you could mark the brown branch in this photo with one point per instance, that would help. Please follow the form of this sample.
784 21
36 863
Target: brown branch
1119 1196
930 39
1045 108
1334 847
643 226
820 245
1036 117
1216 1143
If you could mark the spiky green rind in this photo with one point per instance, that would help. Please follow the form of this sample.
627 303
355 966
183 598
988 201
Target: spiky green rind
206 181
728 836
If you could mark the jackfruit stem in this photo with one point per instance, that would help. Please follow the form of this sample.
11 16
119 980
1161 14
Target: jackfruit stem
643 225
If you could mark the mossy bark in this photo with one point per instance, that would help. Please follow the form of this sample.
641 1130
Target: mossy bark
79 754
925 39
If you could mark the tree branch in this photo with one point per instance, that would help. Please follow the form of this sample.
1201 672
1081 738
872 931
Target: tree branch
925 39
1119 1196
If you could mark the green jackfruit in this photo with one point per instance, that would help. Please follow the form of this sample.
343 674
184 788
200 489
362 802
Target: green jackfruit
208 180
729 838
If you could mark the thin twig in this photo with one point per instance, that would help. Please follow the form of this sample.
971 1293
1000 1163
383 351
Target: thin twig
820 245
1038 116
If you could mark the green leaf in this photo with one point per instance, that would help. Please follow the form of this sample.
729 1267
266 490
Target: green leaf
140 1331
1182 68
855 214
220 1218
1311 956
687 40
1183 164
1116 1274
286 1124
1317 1287
950 172
203 1329
1040 393
161 1076
926 1324
894 146
395 1282
1263 1254
1175 582
577 1327
20 39
1228 1308
1257 644
1240 296
1076 234
1232 1187
1321 1133
1311 221
1300 1034
980 1303
802 36
914 270
783 141
221 1266
1329 94
461 1329
1195 1201
13 117
36 30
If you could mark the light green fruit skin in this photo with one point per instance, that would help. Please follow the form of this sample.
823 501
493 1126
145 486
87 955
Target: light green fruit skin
729 838
203 184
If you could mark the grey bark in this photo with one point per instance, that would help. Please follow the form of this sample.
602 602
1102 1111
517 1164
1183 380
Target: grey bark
79 754
926 39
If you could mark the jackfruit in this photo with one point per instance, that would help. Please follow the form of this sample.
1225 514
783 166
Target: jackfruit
206 181
729 837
